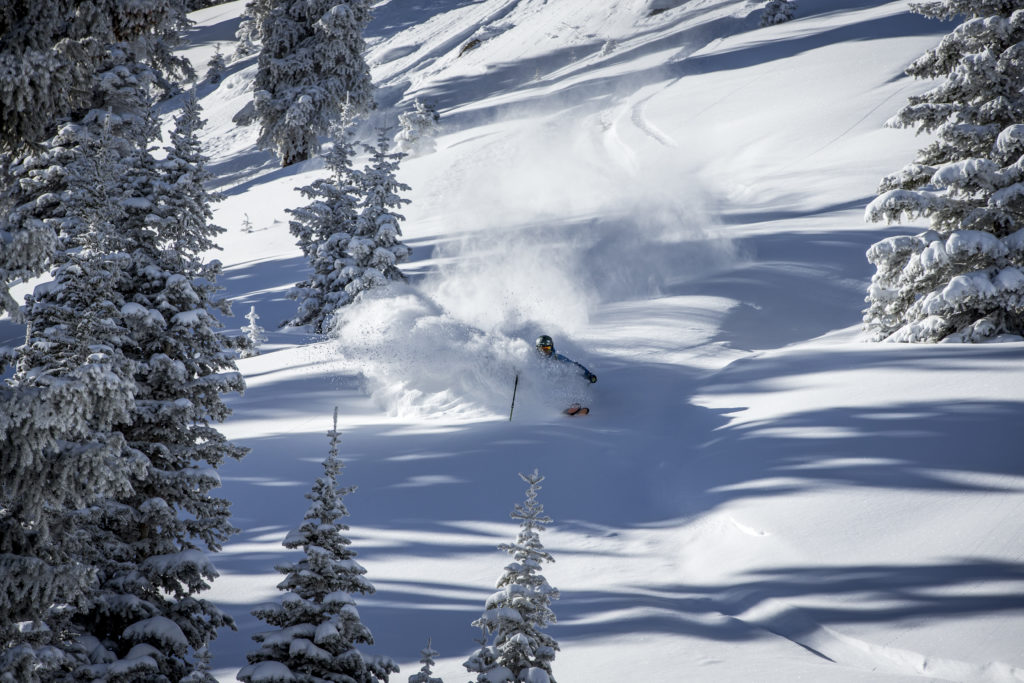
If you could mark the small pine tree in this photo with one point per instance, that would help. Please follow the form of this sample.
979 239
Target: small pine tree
325 229
317 626
426 674
417 129
216 67
254 333
311 63
376 246
777 12
517 613
962 280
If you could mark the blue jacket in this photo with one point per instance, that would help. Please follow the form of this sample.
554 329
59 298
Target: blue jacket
556 357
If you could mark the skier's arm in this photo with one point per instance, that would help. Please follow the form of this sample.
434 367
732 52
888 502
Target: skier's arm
587 374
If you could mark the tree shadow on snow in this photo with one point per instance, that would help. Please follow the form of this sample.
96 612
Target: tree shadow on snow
861 594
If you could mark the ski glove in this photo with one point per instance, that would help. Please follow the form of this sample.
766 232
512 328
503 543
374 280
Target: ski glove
592 378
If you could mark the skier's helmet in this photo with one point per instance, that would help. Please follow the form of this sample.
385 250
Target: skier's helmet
545 345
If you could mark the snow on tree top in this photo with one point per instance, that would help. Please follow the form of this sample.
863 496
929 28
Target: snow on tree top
535 675
160 629
965 243
267 672
300 647
170 563
339 598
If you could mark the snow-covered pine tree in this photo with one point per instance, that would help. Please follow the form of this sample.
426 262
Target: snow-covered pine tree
317 628
72 391
248 33
324 228
253 333
215 67
153 540
40 215
376 247
311 63
962 280
777 12
135 287
426 674
201 673
417 129
484 663
53 51
57 57
246 37
516 615
63 410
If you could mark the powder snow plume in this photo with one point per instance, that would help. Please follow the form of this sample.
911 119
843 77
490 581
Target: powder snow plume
554 229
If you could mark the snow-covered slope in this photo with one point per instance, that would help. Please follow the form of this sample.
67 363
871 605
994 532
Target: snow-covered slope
677 197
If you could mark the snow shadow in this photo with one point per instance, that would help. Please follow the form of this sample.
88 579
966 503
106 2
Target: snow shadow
550 83
394 16
684 34
950 443
211 32
768 602
775 48
263 284
425 493
443 493
789 288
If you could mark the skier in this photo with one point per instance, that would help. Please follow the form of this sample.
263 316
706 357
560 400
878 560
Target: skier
546 348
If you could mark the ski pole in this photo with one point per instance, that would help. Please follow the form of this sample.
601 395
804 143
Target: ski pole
515 388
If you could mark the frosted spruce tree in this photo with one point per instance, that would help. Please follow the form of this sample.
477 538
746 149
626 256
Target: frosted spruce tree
56 57
135 286
63 454
417 129
317 628
72 392
961 280
426 674
62 411
516 615
154 539
310 64
53 51
253 333
350 232
324 229
216 67
247 36
377 247
777 12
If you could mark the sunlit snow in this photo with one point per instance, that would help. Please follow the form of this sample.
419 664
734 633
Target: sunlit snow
677 197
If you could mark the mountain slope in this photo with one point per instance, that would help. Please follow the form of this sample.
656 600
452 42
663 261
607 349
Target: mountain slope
677 198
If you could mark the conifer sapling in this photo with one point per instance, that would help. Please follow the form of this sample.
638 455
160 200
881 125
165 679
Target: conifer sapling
317 626
516 615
